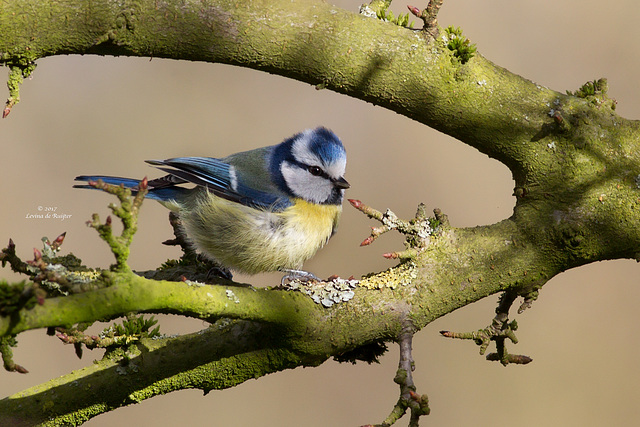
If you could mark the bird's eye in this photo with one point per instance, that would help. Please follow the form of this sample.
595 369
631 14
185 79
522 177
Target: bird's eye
315 170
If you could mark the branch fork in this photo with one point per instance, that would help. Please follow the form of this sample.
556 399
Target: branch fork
428 16
127 211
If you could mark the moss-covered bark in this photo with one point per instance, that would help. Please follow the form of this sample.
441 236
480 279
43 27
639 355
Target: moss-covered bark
203 360
575 162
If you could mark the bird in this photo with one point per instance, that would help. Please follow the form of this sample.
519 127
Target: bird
263 210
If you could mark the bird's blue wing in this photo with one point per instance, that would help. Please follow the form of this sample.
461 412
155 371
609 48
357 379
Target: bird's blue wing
221 179
161 189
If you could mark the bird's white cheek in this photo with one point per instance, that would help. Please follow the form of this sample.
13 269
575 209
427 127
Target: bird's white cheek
304 185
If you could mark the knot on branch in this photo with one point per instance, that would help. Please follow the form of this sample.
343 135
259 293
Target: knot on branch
529 298
418 231
380 9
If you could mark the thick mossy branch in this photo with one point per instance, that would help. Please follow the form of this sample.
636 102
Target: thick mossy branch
151 367
383 63
500 113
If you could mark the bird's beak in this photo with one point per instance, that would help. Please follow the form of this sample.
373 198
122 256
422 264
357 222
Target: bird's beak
341 183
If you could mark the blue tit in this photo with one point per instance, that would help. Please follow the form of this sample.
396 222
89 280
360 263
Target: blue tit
261 210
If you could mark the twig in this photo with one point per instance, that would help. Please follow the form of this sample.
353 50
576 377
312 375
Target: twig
18 71
409 399
8 255
428 16
7 355
499 330
418 230
127 211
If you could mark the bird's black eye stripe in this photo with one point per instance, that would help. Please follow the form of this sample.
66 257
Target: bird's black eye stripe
312 169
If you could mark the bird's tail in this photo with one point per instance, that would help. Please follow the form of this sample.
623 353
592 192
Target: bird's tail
157 189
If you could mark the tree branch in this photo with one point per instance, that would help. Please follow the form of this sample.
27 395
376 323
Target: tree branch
575 162
313 42
152 367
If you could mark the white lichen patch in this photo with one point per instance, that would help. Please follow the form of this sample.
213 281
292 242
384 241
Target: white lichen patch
334 291
365 10
164 336
390 219
193 283
232 296
424 229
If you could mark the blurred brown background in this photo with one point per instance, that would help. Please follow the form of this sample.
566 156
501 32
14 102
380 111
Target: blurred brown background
107 115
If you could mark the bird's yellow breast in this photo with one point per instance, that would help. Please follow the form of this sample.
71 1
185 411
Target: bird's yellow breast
313 219
252 240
